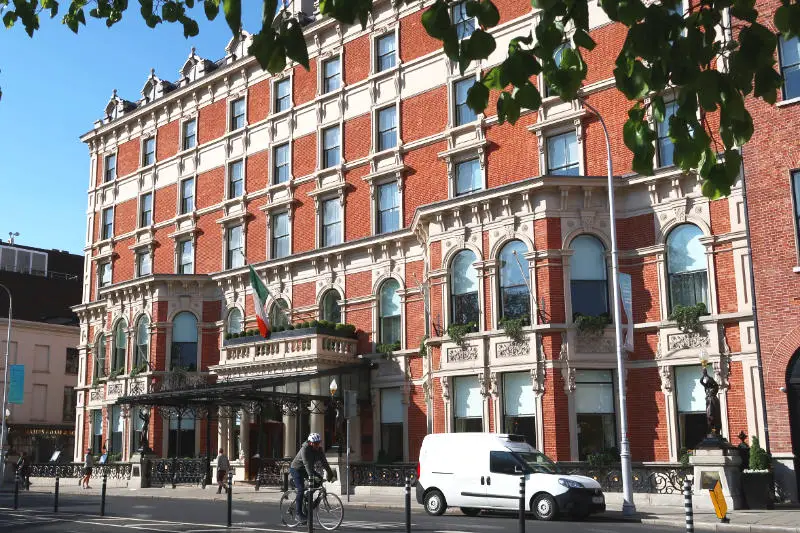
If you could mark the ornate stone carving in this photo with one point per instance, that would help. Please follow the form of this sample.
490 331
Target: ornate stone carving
665 373
682 341
594 344
459 355
426 391
445 389
722 370
568 374
493 382
512 349
483 380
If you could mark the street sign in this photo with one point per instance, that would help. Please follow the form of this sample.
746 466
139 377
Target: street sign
626 295
16 387
350 403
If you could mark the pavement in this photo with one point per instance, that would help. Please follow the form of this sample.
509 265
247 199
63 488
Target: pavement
783 518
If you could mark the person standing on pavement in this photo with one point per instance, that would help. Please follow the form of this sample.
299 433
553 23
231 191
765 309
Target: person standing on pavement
88 463
23 467
223 466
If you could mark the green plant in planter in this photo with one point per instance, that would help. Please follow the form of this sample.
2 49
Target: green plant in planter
457 332
760 460
115 373
688 317
683 456
423 348
513 327
388 348
95 381
592 324
138 369
228 336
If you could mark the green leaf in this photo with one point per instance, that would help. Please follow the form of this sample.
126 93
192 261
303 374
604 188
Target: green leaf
485 11
583 39
496 78
52 5
190 27
478 97
9 19
481 44
211 8
268 51
507 108
528 97
233 14
295 43
436 20
659 108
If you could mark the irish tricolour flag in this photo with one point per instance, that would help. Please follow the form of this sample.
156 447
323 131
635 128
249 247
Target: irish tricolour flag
260 293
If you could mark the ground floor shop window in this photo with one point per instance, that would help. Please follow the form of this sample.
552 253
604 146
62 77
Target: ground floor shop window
391 426
97 431
181 441
116 432
138 426
692 426
468 405
519 406
594 412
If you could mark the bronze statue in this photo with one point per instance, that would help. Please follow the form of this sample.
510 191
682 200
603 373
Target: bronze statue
144 439
712 403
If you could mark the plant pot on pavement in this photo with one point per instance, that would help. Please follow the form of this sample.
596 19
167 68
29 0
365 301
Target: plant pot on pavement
758 489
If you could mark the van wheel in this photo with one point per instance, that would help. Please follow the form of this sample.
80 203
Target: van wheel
470 511
544 507
434 503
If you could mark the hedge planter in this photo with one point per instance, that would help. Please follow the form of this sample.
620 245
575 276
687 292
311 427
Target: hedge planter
758 488
289 333
242 340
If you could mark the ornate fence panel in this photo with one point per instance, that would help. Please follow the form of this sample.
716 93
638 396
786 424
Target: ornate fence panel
75 470
666 478
165 472
271 472
375 475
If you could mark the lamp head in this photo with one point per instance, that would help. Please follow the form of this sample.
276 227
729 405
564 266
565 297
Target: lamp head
703 356
334 387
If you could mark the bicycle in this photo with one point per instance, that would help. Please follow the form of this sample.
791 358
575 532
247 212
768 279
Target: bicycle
328 509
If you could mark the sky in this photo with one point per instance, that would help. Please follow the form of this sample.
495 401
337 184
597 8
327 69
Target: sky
55 85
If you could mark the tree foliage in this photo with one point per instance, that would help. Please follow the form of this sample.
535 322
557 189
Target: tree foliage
708 59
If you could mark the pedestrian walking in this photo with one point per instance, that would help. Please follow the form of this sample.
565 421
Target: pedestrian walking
24 469
88 463
223 465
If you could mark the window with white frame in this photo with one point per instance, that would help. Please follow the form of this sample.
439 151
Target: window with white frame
235 179
104 274
108 223
187 196
387 128
515 301
190 134
110 167
468 405
385 52
691 397
594 411
331 311
331 74
279 315
331 222
588 276
235 322
283 95
391 425
558 56
389 313
146 210
183 352
796 191
97 430
469 177
120 340
388 207
464 301
280 235
237 114
142 341
99 370
789 58
186 257
519 406
562 154
149 151
463 112
116 430
686 266
234 247
144 264
665 147
464 24
331 147
280 170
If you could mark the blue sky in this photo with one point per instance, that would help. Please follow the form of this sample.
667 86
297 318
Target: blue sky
54 87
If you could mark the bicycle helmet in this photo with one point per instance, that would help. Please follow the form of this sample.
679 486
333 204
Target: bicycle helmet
314 437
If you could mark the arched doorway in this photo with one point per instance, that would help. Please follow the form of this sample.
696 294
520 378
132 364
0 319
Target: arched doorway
793 393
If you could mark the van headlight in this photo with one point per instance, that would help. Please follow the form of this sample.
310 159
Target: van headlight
570 484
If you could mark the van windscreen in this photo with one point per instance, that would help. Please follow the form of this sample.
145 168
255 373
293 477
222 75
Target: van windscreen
537 462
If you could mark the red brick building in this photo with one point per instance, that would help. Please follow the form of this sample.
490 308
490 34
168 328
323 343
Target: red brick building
365 191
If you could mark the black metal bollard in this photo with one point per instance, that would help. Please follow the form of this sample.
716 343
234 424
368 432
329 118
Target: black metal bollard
174 470
522 504
285 486
103 493
230 496
55 501
408 505
687 505
310 509
16 490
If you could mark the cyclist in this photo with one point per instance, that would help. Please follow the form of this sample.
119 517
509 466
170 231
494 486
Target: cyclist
302 467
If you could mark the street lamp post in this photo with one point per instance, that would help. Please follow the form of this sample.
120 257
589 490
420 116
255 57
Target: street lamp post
4 429
628 506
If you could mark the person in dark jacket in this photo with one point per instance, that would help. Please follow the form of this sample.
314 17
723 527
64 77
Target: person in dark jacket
302 467
24 469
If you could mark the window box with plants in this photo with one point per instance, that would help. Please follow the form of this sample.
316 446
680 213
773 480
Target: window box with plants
250 335
458 332
687 318
513 327
591 324
387 348
758 481
314 327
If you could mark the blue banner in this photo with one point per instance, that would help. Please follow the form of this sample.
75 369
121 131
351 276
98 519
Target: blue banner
16 387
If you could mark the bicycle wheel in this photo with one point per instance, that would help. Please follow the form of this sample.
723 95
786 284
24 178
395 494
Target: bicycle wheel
287 506
330 511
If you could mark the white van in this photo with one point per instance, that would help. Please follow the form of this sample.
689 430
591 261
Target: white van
476 471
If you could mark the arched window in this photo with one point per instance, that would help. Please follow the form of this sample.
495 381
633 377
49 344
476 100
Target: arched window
686 266
235 321
279 315
588 277
184 341
515 300
464 306
100 357
389 312
120 346
330 307
142 341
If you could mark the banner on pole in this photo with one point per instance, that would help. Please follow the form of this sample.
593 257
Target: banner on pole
626 295
16 386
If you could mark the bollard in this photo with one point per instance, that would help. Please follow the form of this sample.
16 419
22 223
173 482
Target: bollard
687 505
174 470
230 496
16 490
55 502
408 505
285 486
310 509
103 493
522 504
